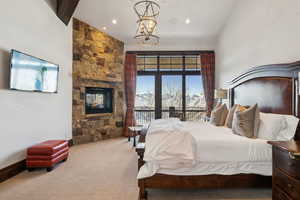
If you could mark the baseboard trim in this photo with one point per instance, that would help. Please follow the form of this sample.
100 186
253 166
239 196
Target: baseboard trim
16 168
12 170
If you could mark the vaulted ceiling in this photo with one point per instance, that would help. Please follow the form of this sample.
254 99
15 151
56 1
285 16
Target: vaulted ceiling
207 17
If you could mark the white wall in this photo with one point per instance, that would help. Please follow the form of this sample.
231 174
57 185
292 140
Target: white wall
258 32
188 44
27 118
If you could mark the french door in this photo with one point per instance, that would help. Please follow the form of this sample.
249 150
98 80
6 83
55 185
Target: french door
165 82
171 94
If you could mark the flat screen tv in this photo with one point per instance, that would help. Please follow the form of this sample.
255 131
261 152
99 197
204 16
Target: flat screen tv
29 73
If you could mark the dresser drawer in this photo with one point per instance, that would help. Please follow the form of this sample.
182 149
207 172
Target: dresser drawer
284 162
288 184
278 194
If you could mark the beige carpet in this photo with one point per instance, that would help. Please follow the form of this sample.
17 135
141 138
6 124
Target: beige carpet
104 171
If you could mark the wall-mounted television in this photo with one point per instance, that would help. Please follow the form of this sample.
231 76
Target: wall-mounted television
28 73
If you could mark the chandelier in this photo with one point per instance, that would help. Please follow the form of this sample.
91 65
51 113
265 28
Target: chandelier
147 12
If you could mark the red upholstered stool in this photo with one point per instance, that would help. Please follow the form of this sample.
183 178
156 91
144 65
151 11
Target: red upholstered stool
47 154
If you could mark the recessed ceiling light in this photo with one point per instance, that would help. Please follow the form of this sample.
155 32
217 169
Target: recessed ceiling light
114 21
104 28
187 21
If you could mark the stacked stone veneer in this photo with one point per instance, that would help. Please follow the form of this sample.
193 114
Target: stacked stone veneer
97 62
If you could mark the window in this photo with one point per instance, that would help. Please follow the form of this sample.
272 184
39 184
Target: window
166 82
194 93
171 63
171 94
147 63
145 93
192 63
145 99
194 98
171 91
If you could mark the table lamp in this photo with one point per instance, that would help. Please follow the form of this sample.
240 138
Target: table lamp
221 94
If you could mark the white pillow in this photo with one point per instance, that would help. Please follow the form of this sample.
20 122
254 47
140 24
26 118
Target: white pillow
289 132
271 126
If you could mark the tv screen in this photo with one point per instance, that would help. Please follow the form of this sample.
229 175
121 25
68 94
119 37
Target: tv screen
29 73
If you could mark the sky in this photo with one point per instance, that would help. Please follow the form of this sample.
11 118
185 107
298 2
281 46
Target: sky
194 85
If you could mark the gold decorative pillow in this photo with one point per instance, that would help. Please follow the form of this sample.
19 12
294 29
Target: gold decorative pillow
218 115
229 118
246 121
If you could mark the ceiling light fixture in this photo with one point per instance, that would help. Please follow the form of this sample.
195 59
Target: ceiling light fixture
187 21
114 21
147 12
104 28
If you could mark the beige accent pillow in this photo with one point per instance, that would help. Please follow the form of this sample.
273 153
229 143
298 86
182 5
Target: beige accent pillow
229 118
218 115
246 121
217 105
256 121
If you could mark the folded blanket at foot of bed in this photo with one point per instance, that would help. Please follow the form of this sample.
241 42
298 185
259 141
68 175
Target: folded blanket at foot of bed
168 146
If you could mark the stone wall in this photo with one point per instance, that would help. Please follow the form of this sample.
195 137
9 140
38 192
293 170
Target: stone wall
97 62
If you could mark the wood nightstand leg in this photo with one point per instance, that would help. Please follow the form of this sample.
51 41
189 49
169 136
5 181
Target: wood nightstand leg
134 142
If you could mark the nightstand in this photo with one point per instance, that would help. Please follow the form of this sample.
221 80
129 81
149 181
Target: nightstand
286 170
135 130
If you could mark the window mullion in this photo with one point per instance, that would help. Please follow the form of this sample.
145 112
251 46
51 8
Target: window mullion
183 90
158 92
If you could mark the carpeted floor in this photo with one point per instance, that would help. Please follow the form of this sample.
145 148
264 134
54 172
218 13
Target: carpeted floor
104 171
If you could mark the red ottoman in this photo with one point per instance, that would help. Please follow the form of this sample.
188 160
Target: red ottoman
47 154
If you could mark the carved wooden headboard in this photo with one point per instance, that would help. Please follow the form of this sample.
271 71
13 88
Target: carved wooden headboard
273 87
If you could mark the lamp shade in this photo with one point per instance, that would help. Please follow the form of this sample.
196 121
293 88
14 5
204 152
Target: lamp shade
221 93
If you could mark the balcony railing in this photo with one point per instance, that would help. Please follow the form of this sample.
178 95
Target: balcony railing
145 116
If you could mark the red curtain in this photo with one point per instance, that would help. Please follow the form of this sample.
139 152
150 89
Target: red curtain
208 78
130 89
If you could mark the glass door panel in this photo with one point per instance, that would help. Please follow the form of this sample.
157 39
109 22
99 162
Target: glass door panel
194 98
171 94
145 99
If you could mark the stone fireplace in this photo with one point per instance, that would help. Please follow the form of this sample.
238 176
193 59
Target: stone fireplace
98 86
98 100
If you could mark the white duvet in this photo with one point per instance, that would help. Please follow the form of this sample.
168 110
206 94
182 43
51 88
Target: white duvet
169 146
198 148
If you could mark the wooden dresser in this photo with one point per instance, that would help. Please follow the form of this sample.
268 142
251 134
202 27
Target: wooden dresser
286 170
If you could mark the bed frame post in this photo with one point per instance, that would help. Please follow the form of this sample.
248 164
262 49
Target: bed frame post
142 192
140 149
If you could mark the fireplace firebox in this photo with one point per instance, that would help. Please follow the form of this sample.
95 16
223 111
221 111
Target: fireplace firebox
98 100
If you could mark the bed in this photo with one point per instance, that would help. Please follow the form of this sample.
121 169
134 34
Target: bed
275 89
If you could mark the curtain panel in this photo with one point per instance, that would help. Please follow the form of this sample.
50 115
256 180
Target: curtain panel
130 90
208 78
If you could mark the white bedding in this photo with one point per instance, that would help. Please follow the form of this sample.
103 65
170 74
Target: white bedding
216 150
163 138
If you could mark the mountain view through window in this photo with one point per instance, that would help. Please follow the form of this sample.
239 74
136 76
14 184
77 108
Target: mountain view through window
169 82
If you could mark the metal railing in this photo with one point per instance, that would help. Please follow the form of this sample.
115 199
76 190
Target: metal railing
145 116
